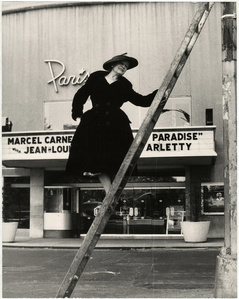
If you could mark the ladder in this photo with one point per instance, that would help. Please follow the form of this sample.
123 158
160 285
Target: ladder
110 201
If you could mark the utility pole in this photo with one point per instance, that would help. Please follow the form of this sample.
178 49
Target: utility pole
226 269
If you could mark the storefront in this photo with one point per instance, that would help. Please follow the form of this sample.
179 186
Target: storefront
183 159
68 205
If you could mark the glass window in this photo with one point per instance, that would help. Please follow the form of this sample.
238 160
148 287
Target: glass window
61 200
212 198
178 114
139 210
53 200
57 115
19 200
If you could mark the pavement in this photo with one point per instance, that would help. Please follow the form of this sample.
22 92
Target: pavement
111 273
131 266
116 241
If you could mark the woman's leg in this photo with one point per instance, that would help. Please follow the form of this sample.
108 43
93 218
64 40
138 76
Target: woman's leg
105 180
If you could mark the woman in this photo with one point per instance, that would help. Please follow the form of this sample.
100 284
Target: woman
104 136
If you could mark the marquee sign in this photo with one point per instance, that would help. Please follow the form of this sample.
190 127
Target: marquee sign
55 145
179 143
37 146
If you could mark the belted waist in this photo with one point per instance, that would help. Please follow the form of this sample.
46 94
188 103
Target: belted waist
105 107
102 114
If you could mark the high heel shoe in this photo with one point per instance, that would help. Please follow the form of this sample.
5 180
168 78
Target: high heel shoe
90 174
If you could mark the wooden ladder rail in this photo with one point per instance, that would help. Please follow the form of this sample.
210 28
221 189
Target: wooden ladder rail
156 108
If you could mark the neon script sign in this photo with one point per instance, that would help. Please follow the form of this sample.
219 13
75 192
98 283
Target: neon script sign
60 80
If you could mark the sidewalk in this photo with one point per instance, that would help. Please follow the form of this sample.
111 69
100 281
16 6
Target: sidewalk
116 241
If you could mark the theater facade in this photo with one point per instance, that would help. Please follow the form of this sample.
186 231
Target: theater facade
49 50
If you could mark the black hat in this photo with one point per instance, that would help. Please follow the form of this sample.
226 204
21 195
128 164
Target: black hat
132 61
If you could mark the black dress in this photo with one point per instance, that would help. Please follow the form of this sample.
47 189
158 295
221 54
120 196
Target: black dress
103 136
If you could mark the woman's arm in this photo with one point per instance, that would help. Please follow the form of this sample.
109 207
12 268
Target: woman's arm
79 100
138 99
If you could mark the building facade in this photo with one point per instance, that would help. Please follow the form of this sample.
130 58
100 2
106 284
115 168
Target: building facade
49 50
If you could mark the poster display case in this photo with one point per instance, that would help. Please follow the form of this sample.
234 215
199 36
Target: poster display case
212 196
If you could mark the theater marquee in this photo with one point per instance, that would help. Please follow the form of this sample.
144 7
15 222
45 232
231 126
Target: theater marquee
55 145
178 143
